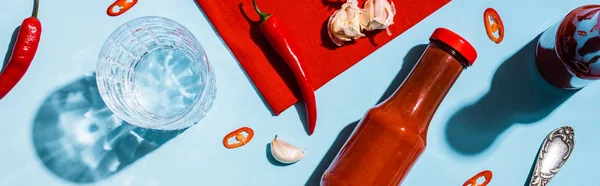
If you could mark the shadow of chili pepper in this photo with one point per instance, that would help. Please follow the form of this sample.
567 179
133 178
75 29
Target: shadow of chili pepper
301 108
11 46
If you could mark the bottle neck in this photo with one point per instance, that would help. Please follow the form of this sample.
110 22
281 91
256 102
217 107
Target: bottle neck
417 100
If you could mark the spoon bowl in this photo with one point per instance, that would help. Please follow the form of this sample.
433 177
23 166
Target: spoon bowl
555 151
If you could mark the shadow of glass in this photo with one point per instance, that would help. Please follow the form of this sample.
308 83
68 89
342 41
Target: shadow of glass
301 109
518 94
410 60
11 47
80 140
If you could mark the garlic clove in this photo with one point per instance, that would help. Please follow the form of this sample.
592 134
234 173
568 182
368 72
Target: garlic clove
344 24
379 14
284 152
368 15
333 26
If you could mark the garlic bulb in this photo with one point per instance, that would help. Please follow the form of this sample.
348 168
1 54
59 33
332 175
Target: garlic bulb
379 14
285 152
344 24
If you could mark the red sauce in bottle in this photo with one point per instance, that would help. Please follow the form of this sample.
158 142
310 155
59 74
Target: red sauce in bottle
392 135
567 54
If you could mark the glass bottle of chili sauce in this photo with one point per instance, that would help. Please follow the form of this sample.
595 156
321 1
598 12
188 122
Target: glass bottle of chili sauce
392 135
568 53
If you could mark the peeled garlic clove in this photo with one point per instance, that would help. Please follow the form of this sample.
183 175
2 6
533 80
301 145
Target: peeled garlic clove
344 24
379 14
369 14
338 40
285 152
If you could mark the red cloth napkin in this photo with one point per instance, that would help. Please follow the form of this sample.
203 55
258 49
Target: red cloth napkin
236 23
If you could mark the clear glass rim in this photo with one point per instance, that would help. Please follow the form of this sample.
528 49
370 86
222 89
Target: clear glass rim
192 113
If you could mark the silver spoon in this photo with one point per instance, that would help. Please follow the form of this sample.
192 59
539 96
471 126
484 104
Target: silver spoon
555 151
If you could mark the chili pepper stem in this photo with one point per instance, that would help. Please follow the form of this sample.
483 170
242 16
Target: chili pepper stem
263 16
36 4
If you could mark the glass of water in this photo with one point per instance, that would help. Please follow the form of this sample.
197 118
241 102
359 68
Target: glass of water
153 73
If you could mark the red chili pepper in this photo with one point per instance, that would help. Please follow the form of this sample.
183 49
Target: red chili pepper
238 135
493 24
278 35
24 50
120 6
487 174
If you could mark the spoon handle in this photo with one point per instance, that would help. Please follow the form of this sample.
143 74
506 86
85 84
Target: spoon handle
555 151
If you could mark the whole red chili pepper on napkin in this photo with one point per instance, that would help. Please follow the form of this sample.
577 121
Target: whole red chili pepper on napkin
277 34
23 52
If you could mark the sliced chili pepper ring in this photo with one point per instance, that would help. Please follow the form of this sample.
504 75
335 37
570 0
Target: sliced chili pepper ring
493 24
120 6
238 137
487 174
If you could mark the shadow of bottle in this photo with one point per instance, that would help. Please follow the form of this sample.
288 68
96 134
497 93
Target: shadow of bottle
410 60
518 94
80 140
315 177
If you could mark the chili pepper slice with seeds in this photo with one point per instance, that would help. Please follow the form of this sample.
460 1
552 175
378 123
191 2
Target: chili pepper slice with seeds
493 23
238 135
487 174
279 37
120 6
26 45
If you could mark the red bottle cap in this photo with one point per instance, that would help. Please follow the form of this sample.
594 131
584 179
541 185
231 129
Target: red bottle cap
457 42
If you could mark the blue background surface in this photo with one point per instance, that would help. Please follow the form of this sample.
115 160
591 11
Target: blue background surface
495 117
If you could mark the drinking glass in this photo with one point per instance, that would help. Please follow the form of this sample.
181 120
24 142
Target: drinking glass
153 73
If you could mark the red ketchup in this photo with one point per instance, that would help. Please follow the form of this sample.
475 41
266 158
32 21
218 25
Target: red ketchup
567 53
392 135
